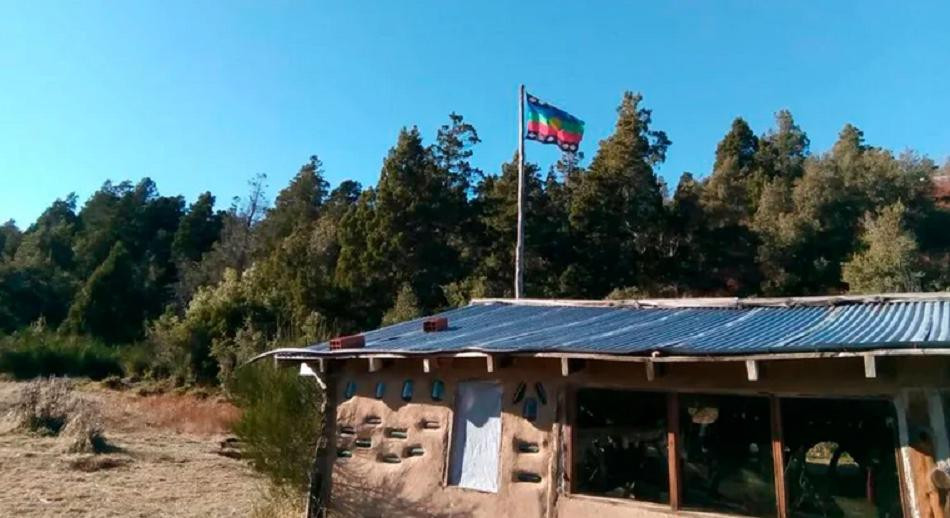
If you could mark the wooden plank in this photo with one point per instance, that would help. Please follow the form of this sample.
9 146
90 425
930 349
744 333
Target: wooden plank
778 458
490 364
651 371
375 364
429 364
673 457
870 366
570 366
568 436
752 369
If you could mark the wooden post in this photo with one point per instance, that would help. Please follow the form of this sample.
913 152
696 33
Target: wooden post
752 369
673 457
375 364
870 366
778 458
519 246
567 438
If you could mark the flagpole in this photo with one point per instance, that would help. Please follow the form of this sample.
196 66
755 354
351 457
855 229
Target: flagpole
519 247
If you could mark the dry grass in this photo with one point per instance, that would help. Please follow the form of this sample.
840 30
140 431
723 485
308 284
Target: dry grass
164 462
279 504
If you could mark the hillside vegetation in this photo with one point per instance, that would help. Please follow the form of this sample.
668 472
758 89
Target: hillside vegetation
135 283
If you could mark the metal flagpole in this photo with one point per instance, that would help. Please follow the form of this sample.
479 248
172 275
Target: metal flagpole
519 247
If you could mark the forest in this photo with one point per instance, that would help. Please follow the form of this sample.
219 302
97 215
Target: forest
187 290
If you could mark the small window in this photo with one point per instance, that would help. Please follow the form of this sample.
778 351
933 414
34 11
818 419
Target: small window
476 436
620 445
726 455
840 458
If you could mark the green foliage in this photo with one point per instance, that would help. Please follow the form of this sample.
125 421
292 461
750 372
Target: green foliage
889 261
209 289
32 353
405 308
198 230
110 303
616 207
280 422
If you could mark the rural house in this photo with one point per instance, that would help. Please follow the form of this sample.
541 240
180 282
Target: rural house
819 406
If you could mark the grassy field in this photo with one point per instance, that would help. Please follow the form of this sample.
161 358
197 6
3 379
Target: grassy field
165 461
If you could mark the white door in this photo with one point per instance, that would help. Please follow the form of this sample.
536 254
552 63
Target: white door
476 436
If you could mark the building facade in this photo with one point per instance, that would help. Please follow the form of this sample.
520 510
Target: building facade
716 407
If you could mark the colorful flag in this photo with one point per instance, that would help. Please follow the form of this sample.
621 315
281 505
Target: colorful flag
550 125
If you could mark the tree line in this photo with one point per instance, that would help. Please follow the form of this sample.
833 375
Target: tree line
202 288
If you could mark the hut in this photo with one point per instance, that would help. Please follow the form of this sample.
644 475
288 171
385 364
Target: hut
815 406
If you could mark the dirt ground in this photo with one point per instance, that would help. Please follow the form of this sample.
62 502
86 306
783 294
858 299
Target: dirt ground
166 462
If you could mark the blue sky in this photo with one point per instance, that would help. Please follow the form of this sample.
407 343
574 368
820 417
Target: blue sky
201 95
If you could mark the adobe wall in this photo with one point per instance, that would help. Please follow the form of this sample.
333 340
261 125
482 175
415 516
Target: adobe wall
366 486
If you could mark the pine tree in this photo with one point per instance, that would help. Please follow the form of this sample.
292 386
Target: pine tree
296 205
616 207
199 228
400 232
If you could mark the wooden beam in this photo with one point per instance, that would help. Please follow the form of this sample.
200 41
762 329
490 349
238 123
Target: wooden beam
429 364
651 371
672 457
778 458
570 366
490 363
375 364
752 369
870 366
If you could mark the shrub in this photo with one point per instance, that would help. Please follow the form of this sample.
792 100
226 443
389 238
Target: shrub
49 406
33 353
280 423
83 431
43 406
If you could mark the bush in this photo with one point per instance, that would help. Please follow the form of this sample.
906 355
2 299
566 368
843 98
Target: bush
43 406
280 423
49 406
31 354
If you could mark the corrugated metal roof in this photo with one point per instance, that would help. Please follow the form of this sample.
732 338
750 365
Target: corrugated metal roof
734 329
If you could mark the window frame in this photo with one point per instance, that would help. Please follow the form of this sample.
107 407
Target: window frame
566 484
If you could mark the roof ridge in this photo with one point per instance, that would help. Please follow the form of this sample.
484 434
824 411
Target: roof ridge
727 302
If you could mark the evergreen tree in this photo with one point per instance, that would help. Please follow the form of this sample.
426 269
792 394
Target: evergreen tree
406 307
298 204
889 261
400 232
10 238
200 227
617 207
110 303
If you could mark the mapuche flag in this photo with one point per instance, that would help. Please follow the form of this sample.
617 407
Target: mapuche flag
551 125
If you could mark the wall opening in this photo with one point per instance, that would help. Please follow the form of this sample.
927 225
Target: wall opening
620 445
840 458
726 456
476 436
